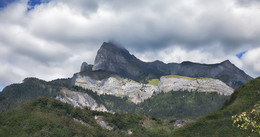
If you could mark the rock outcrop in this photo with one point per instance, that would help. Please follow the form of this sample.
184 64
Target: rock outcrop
102 123
115 85
138 92
169 83
119 61
79 99
85 67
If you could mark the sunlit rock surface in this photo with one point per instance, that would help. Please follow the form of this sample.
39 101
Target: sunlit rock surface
80 99
167 84
137 92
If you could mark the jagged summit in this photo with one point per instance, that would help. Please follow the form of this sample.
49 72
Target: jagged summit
109 46
118 60
226 61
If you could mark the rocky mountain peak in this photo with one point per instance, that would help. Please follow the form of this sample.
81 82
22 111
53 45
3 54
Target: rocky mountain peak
108 55
118 60
227 63
110 47
115 59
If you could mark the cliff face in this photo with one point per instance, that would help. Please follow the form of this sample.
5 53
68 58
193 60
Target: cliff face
79 99
119 61
192 84
138 92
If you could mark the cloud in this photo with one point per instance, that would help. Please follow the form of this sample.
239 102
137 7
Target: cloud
251 60
53 39
248 2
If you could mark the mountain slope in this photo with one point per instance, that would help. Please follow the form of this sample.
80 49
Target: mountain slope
49 117
31 88
179 104
220 123
118 60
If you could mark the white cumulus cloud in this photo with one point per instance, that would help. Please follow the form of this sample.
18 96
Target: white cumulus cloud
53 39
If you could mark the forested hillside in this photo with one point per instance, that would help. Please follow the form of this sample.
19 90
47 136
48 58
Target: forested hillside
220 123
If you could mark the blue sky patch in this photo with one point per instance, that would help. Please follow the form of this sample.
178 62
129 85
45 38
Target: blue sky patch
33 3
239 55
1 87
4 3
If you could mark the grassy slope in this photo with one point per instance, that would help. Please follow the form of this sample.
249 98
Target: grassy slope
219 123
49 117
154 82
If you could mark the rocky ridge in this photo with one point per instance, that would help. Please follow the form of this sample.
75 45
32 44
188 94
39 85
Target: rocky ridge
118 60
169 83
138 92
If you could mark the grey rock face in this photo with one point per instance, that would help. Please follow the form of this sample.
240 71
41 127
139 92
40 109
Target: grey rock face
200 85
85 67
138 92
118 60
80 99
117 86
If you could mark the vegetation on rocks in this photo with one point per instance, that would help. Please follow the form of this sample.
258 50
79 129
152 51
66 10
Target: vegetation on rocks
154 82
177 76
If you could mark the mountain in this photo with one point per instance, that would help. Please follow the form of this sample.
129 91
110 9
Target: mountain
118 60
103 90
121 95
220 123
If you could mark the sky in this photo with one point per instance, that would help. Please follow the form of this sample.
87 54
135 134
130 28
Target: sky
49 39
